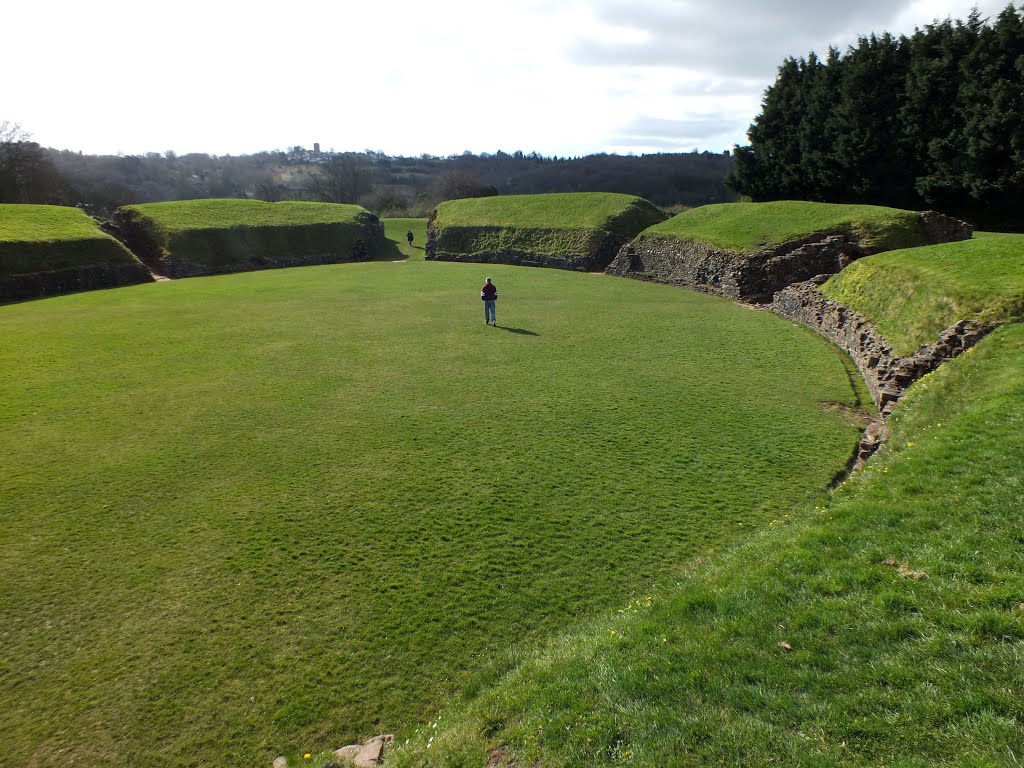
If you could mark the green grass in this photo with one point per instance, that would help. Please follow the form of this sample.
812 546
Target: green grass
276 512
199 236
620 214
580 230
45 224
914 294
396 244
43 238
751 227
189 215
879 668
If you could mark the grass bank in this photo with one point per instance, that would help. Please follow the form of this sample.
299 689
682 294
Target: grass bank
621 214
273 512
746 228
195 237
581 231
914 294
41 240
882 627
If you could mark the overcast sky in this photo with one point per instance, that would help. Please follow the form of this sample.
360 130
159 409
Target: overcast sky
560 77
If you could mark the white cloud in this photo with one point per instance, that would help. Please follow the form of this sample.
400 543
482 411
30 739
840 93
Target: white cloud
561 77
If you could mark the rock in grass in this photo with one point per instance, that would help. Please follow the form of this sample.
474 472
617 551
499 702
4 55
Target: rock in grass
348 753
368 755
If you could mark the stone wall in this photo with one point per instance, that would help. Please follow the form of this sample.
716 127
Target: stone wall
752 278
887 375
176 267
71 280
756 277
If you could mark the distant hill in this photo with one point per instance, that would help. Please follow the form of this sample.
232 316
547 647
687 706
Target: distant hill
392 186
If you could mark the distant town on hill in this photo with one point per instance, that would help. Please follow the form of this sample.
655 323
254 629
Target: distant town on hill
389 186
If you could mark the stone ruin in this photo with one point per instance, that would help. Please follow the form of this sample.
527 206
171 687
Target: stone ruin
887 375
756 277
786 277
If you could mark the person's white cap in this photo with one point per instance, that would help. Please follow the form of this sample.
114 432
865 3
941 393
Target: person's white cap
488 279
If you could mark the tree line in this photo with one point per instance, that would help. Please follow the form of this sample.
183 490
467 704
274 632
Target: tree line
933 120
387 185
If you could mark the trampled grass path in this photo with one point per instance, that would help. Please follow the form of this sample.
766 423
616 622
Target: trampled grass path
281 511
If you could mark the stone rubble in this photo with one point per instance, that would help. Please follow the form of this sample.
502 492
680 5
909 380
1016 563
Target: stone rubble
367 755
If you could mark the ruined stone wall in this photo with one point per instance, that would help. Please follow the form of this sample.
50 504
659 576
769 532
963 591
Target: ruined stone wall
756 277
71 280
887 375
753 278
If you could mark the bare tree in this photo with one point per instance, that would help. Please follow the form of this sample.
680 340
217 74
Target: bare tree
26 174
344 178
268 189
13 162
457 185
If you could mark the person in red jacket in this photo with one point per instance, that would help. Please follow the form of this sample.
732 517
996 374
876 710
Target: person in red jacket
489 293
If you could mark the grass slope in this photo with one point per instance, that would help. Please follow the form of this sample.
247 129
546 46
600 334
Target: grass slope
914 294
900 604
199 236
620 214
189 215
44 238
752 227
281 511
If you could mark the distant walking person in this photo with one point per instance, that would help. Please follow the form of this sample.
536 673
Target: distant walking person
489 293
408 236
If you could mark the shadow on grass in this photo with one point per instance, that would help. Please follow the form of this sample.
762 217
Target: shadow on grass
389 252
392 250
521 331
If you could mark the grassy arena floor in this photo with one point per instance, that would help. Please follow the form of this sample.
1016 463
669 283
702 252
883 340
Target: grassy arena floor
884 627
278 511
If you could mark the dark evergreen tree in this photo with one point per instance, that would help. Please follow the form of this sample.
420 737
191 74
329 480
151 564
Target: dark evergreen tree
770 168
992 100
931 122
864 126
821 171
935 120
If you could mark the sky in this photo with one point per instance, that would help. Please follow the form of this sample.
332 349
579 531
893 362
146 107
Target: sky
406 77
